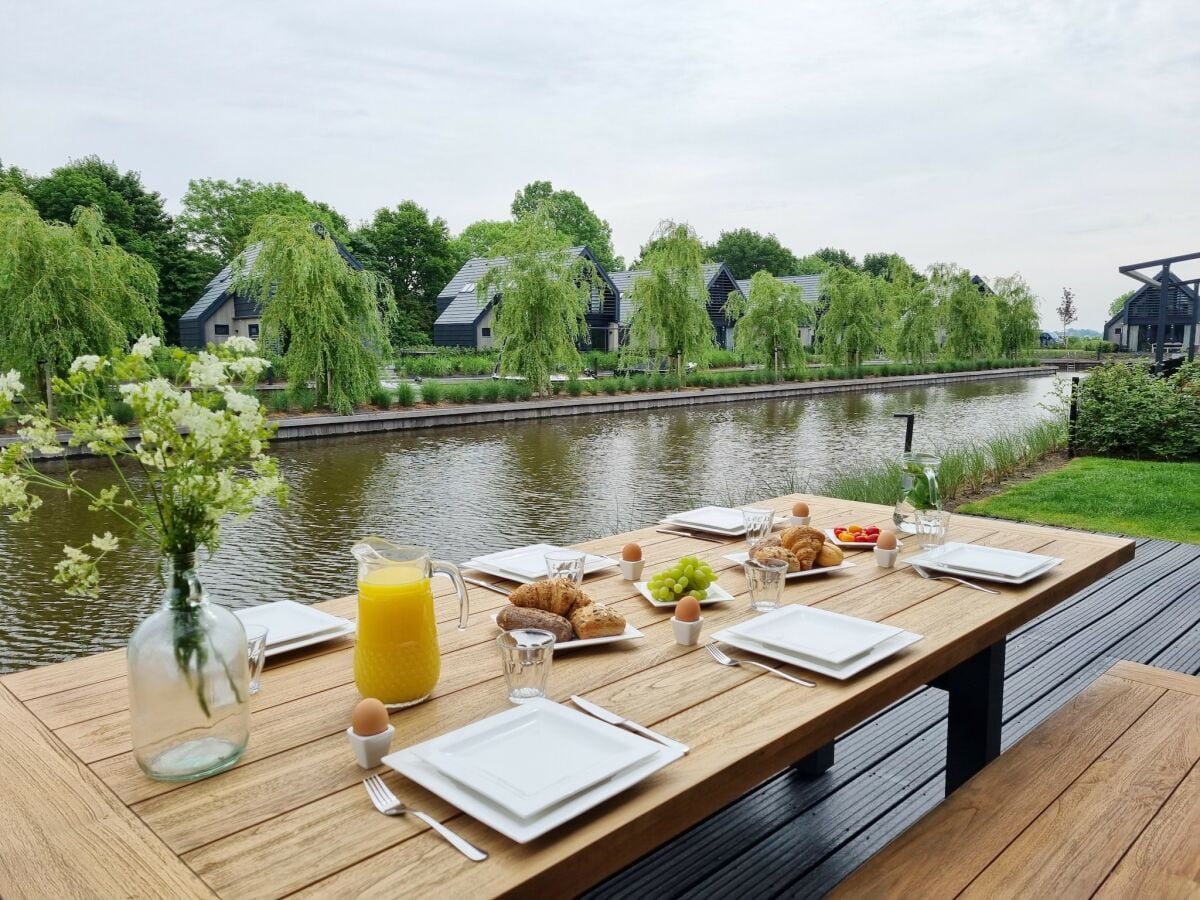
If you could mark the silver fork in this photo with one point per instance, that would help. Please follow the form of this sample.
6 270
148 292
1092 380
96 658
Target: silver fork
719 655
969 584
390 805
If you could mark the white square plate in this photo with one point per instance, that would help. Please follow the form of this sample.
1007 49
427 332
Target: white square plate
987 561
816 634
715 594
287 621
410 764
629 634
740 558
717 519
533 756
528 564
878 653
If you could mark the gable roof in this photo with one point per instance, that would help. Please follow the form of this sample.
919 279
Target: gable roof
459 302
624 281
810 285
1144 303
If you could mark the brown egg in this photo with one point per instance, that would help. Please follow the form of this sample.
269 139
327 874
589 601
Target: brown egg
800 508
631 553
370 717
887 540
687 609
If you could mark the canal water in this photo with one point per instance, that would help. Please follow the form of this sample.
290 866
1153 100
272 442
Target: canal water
482 488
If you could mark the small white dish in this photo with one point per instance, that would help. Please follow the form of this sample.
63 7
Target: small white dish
740 558
851 545
291 625
886 559
881 652
528 564
719 519
629 634
687 634
714 594
369 751
933 560
631 569
814 633
797 521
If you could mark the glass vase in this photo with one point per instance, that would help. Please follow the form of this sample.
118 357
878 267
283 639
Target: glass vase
188 683
918 489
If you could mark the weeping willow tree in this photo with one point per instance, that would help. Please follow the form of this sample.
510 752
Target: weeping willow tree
769 320
915 315
671 300
544 292
67 290
1017 321
966 312
329 319
852 328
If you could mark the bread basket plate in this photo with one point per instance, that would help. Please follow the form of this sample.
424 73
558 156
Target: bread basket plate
716 594
740 558
629 634
852 545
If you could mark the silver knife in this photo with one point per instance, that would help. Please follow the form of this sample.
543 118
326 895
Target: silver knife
487 584
612 718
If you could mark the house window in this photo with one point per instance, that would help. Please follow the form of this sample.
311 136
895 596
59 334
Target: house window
486 332
252 330
221 330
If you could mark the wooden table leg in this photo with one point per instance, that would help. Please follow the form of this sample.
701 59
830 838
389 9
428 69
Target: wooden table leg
976 689
816 763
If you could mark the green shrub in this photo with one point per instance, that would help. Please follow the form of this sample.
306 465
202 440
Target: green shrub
121 411
611 386
556 388
381 397
405 395
517 390
723 359
277 401
592 386
641 383
302 397
1126 411
574 387
432 392
491 391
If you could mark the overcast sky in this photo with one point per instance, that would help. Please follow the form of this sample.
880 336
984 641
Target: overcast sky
1057 139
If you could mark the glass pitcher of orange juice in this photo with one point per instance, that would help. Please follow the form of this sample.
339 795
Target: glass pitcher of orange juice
396 657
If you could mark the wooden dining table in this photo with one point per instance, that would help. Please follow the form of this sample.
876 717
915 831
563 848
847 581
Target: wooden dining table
79 818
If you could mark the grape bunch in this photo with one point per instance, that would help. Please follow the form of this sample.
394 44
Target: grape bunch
690 576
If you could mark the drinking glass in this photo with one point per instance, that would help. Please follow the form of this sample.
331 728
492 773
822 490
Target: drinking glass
765 577
526 654
759 523
932 525
566 564
256 650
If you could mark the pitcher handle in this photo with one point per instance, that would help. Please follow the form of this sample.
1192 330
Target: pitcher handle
450 570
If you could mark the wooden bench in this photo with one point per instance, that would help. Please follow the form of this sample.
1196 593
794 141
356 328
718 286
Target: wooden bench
1101 799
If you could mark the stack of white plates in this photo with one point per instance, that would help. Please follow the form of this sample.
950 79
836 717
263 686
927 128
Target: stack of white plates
291 625
531 768
720 520
818 640
528 564
988 563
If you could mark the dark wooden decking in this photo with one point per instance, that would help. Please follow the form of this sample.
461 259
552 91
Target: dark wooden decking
793 837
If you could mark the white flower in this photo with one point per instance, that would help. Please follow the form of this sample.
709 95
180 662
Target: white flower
240 344
40 434
248 367
10 385
243 406
86 364
145 346
105 543
207 371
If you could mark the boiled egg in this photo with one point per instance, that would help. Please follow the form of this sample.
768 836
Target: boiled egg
631 553
887 540
687 609
369 717
800 509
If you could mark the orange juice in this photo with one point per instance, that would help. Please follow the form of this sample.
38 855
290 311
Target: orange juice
396 658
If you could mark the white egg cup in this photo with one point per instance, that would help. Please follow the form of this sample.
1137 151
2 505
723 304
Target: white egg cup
687 634
631 569
800 520
886 559
369 751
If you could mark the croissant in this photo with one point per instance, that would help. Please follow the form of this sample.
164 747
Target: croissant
558 595
804 542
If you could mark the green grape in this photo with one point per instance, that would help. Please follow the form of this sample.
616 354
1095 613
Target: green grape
700 595
684 582
663 594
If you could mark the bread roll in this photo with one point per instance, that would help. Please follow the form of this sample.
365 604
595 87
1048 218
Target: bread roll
777 551
559 596
511 617
829 555
594 620
804 542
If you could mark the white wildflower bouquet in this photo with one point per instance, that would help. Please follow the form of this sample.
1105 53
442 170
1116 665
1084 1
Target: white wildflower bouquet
195 455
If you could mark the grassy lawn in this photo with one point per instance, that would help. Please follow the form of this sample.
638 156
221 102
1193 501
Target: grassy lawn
1143 499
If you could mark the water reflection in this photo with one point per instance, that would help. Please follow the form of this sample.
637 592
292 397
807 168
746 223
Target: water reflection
477 489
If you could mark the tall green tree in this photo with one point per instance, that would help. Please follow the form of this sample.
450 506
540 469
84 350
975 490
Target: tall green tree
1118 303
571 217
484 238
544 293
966 313
811 265
218 215
746 252
1017 321
67 290
418 257
914 310
14 179
330 319
851 327
834 256
769 320
671 313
